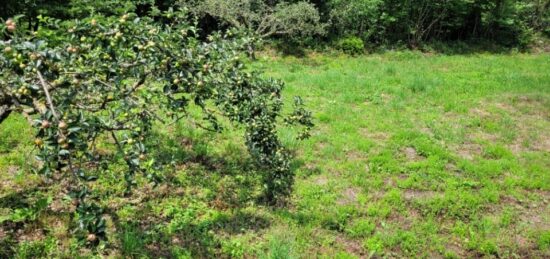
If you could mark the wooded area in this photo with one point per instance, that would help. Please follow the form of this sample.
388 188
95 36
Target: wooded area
375 22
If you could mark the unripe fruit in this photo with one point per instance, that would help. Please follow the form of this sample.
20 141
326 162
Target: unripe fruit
63 125
38 142
45 124
11 28
22 66
7 50
176 81
9 22
91 238
142 157
93 22
200 84
130 141
57 82
62 140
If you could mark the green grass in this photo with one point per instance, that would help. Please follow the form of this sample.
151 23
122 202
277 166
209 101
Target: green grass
413 155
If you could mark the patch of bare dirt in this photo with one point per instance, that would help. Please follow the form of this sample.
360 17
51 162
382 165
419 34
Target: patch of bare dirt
532 116
457 249
469 151
30 235
354 155
406 222
480 112
351 246
411 195
12 170
377 136
349 196
321 180
537 217
411 154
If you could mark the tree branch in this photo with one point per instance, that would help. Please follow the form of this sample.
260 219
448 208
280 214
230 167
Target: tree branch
48 97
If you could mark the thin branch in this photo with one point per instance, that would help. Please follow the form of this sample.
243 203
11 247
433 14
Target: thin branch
119 146
48 97
138 83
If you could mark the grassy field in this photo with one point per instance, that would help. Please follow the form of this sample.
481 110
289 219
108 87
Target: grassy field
413 155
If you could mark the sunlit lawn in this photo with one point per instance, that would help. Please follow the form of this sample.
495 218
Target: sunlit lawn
412 155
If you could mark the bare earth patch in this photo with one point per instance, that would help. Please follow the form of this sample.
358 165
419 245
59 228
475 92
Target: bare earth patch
469 150
411 154
351 246
376 136
321 180
532 120
411 195
349 196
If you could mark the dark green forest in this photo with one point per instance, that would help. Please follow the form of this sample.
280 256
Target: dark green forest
346 24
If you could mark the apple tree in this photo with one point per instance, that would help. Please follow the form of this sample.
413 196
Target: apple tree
110 79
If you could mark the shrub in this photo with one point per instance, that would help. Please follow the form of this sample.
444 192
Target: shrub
351 45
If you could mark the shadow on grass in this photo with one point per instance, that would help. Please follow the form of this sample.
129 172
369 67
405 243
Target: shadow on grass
197 240
469 47
17 200
214 195
206 198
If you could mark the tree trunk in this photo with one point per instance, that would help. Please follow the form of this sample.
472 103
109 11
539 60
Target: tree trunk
5 107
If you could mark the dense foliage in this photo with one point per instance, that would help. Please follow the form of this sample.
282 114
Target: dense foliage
265 20
107 80
507 22
351 45
376 22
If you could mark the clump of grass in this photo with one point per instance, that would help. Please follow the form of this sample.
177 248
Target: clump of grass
544 240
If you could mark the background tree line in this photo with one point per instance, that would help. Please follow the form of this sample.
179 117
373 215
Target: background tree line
347 23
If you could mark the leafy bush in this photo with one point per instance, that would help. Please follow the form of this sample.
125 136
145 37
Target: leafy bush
351 45
263 18
416 22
